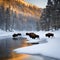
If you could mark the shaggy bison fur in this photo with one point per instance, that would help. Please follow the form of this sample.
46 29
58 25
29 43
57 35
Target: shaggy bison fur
49 35
32 35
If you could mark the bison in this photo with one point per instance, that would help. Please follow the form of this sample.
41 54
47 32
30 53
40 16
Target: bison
15 35
49 35
32 35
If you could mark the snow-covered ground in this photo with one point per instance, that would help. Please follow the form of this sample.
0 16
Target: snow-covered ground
9 34
51 48
4 34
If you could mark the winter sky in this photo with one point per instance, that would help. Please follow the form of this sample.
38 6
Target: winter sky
39 3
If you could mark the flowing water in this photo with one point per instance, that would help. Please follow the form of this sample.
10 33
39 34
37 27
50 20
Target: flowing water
8 44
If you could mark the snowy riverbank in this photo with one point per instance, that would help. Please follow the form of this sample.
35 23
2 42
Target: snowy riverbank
50 49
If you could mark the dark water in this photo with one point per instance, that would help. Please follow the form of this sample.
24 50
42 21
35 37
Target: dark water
8 44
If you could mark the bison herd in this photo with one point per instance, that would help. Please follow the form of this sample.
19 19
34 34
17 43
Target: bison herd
33 35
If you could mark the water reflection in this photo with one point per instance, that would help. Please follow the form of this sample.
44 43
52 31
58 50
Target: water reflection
8 44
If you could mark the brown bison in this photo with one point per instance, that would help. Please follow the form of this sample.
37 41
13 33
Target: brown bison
15 35
49 35
32 35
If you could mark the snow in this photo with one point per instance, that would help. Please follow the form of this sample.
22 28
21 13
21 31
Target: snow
46 47
51 48
33 41
37 40
4 34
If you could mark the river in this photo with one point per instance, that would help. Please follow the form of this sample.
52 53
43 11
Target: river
8 44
